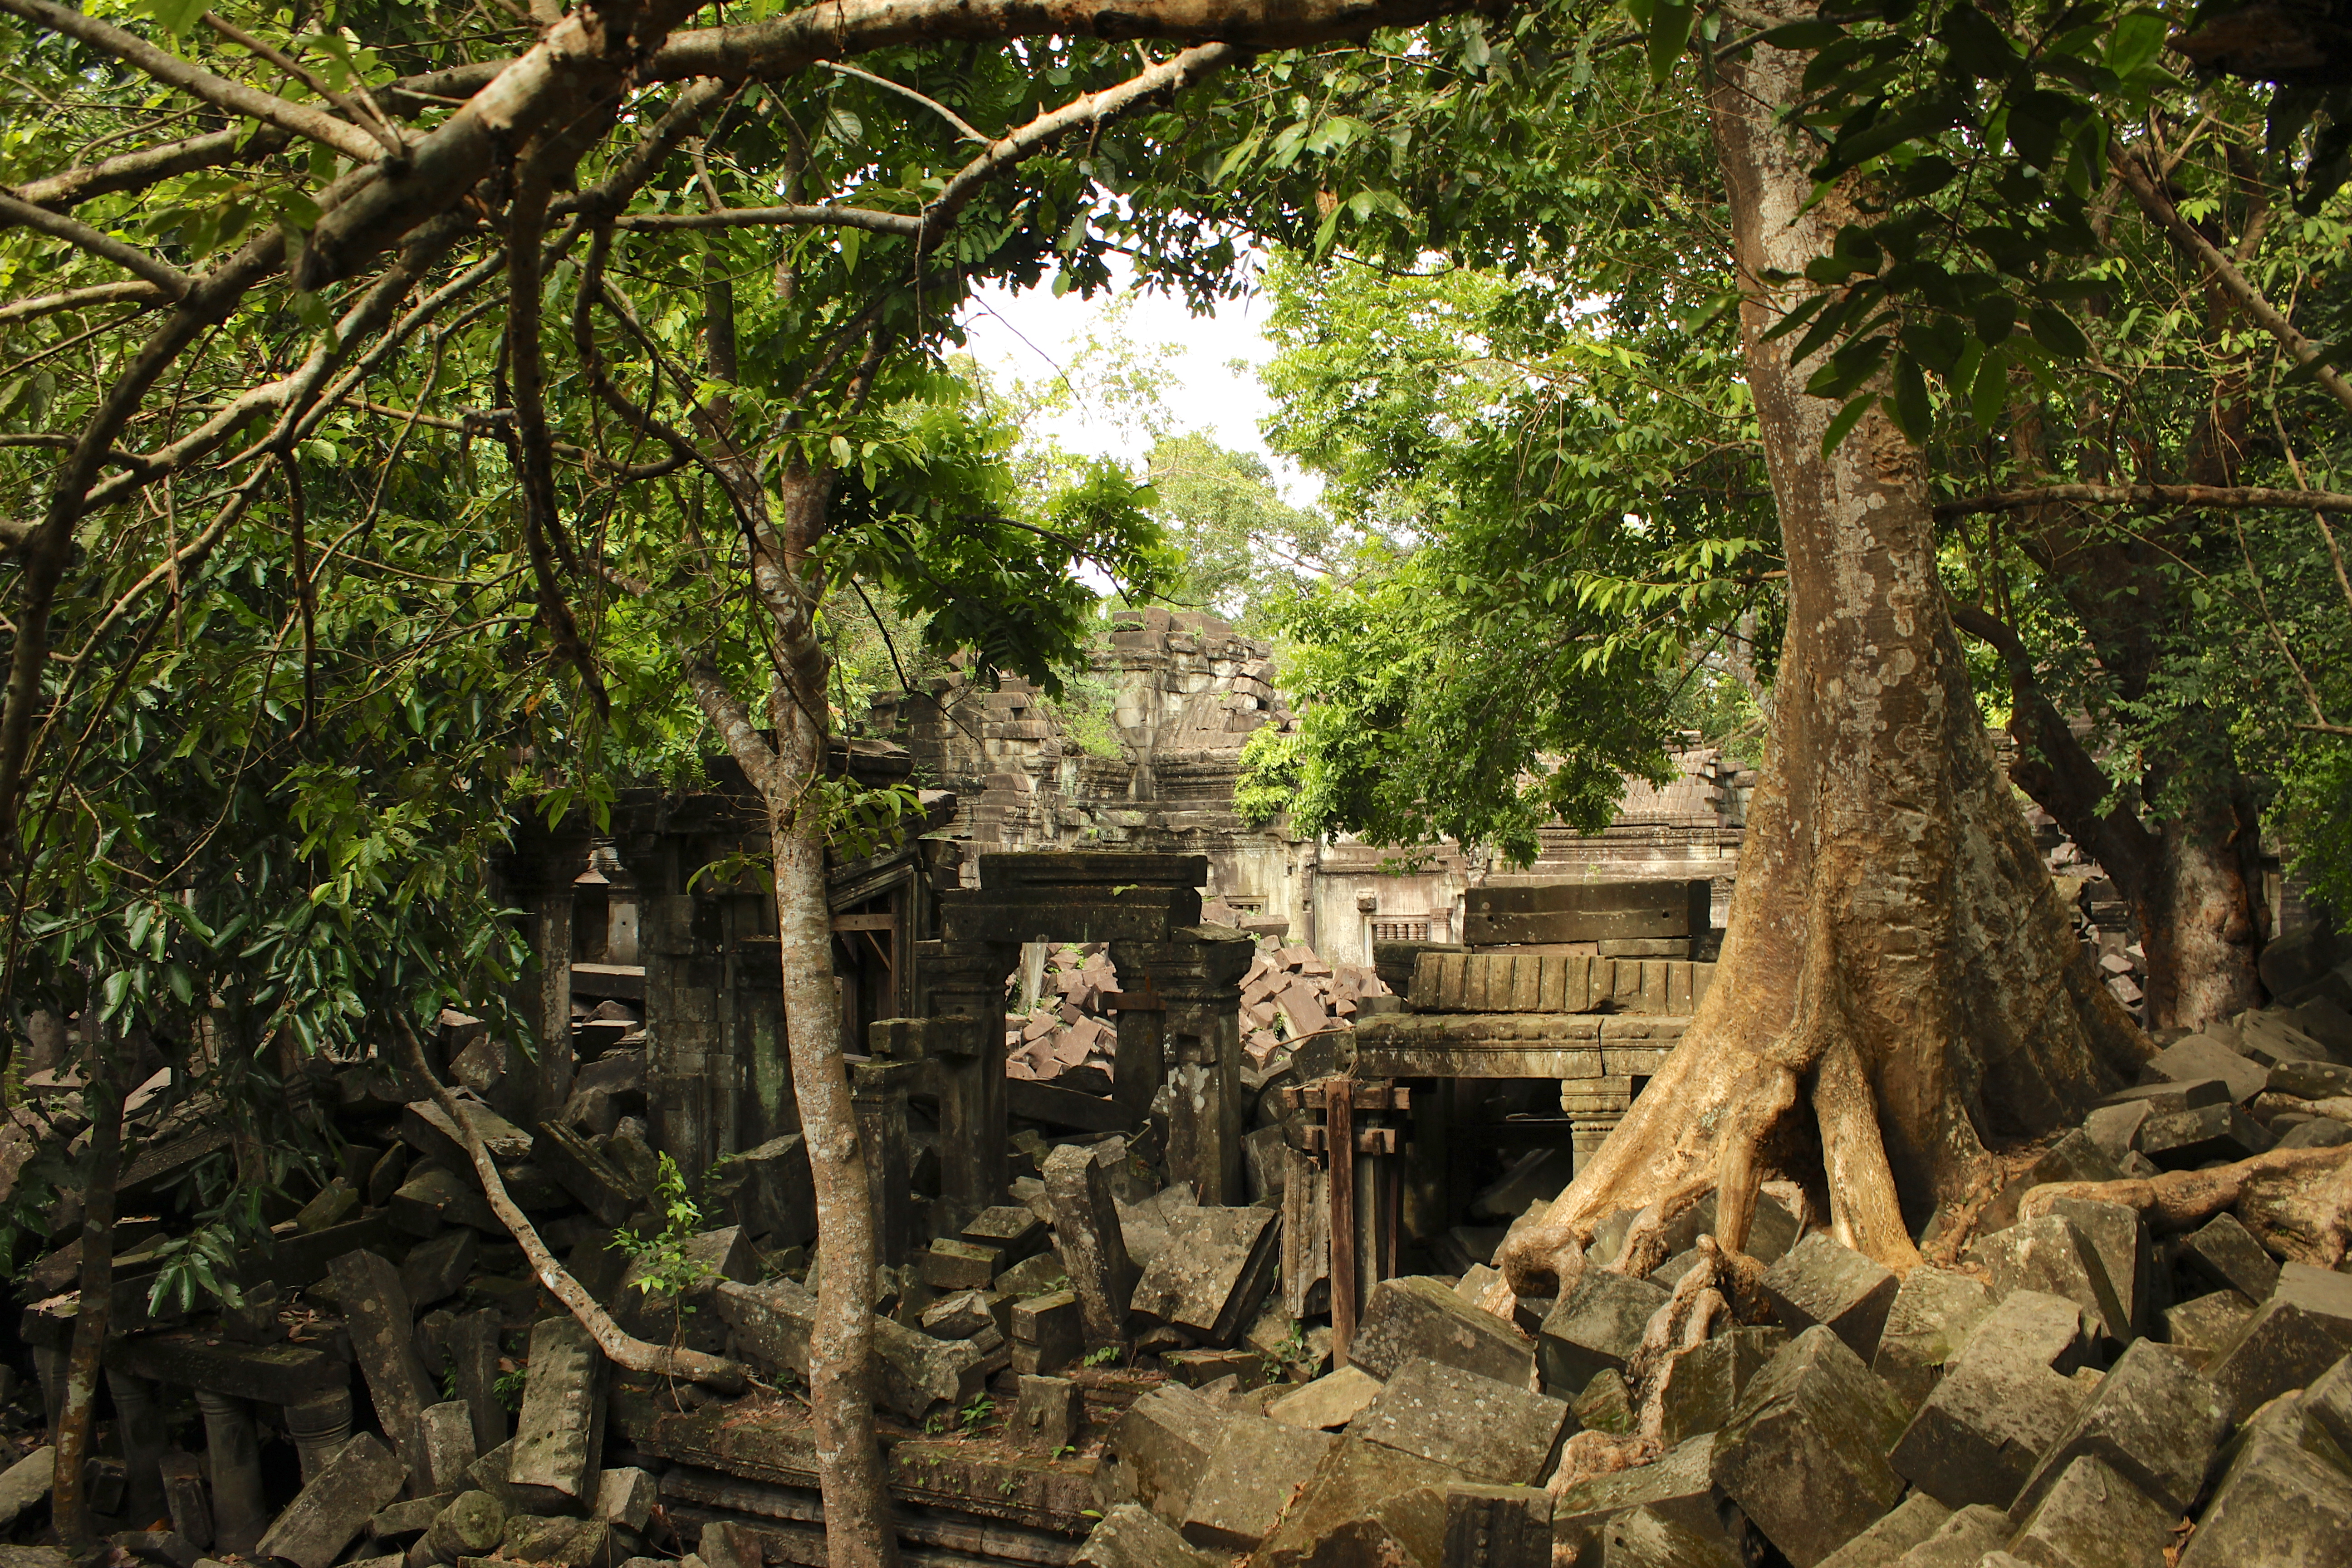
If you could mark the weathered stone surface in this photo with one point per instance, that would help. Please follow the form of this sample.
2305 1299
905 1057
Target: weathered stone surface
1210 1279
330 1511
1419 1316
2205 1324
1047 1336
967 1313
1163 1441
2092 1517
26 1483
185 1496
566 1542
1932 1315
918 1377
1363 1504
625 1496
2328 1403
165 1548
2225 1254
2113 1127
2184 1140
767 1190
1128 1537
690 1316
1330 1401
955 1264
1961 1541
2278 1504
1645 1538
1049 1413
473 1345
2318 1133
2073 1158
472 1524
1486 1430
1821 1283
2049 1254
2302 1329
1594 1328
1088 1237
2118 1239
558 1441
1497 1527
410 1517
1247 1481
2202 1057
1772 1232
436 1270
2153 1419
2000 1406
1606 1405
1679 1486
1804 1455
447 1436
729 1543
772 1320
2311 1081
1708 1379
427 1128
1915 1518
382 1329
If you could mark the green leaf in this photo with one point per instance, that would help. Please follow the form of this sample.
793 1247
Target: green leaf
2136 41
176 16
1990 393
1811 34
1847 418
1910 406
2055 331
1670 27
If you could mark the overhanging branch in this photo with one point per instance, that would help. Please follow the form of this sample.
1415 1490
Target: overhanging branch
2220 497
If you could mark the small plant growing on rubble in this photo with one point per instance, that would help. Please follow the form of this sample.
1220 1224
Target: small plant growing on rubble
667 1272
204 1260
979 1410
510 1386
1103 1355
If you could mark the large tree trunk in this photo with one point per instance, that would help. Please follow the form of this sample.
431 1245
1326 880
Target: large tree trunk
1897 960
2202 917
100 1167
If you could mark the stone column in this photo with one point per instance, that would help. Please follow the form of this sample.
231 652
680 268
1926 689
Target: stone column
1141 1065
139 1428
1202 983
551 1012
320 1426
239 1512
965 986
878 1090
682 1035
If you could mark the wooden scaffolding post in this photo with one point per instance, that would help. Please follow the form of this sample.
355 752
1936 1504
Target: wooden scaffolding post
1355 1263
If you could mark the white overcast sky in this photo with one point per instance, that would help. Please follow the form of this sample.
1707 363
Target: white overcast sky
1033 335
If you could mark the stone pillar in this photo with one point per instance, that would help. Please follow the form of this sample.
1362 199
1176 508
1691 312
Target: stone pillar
769 1108
139 1428
320 1426
239 1512
1141 1065
880 1090
965 983
685 1065
1202 983
550 1010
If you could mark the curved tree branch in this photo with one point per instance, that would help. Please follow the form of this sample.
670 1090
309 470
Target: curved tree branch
160 274
2219 497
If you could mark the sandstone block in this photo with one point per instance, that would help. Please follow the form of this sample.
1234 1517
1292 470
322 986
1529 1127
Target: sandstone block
1210 1279
1488 1431
1821 1283
2225 1254
1363 1504
1419 1316
2152 1419
1128 1537
1804 1454
1595 1327
1933 1312
2050 1255
2000 1406
1915 1518
1247 1481
2092 1517
2304 1328
1497 1527
1679 1486
2278 1504
335 1505
1709 1378
1164 1441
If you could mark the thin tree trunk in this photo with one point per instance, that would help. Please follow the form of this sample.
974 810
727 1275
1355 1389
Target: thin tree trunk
2202 924
83 1362
1897 962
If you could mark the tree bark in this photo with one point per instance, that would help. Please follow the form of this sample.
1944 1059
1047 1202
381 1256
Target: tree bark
1897 961
92 1321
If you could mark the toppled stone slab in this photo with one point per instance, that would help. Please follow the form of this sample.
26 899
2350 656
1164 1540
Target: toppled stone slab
2152 1419
564 1542
1498 1527
1128 1537
1164 1441
2118 1239
559 1442
1247 1481
1606 1405
1419 1316
2073 1158
2204 1325
1933 1312
1772 1230
1821 1283
625 1496
2278 1504
1645 1538
1215 1270
376 1313
918 1377
1804 1454
2184 1140
1087 1235
1488 1431
1961 1541
473 1524
1704 1389
2002 1404
1595 1327
2092 1517
1679 1486
335 1505
2051 1256
1915 1518
1048 1335
436 1270
2304 1328
1363 1504
2225 1254
26 1483
2202 1057
1330 1401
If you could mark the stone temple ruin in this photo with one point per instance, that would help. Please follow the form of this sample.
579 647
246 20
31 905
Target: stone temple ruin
1216 1290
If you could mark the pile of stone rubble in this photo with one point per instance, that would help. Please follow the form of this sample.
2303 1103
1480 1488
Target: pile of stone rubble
1069 1035
1102 1371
